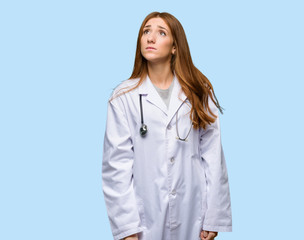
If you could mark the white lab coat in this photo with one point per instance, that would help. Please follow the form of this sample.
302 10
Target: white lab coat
158 186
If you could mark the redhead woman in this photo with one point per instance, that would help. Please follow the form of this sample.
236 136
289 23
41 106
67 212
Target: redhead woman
164 171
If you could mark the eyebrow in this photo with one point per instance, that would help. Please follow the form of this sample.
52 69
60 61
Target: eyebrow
157 25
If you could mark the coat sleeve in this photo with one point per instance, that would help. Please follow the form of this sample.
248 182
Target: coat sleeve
218 214
117 178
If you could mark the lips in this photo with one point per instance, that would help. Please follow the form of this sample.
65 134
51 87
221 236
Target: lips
151 48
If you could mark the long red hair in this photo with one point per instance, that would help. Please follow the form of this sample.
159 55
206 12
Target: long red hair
194 84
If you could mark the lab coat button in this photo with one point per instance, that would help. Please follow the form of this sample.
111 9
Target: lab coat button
173 192
172 160
169 127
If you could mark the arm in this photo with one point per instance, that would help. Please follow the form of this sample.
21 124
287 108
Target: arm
117 173
218 213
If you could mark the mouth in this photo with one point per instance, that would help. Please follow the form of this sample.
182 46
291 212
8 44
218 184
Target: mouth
150 48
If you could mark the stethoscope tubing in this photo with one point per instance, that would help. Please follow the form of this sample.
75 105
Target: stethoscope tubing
144 129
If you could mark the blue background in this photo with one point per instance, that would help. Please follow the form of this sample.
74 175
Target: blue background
60 60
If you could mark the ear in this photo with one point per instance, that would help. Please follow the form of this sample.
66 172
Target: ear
173 50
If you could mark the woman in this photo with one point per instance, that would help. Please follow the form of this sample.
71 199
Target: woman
164 173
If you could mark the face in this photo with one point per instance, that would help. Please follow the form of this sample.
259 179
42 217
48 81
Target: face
157 41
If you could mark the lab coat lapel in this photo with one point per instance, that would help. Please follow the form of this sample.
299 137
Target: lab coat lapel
147 88
177 99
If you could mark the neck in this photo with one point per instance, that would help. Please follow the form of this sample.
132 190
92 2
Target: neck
160 74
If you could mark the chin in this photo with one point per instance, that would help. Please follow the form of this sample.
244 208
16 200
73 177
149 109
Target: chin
151 59
155 59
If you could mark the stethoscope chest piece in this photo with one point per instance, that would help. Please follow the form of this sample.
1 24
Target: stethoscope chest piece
143 130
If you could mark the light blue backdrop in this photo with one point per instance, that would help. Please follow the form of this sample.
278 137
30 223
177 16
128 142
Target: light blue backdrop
59 61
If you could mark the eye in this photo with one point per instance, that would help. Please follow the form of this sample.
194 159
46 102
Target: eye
162 33
146 31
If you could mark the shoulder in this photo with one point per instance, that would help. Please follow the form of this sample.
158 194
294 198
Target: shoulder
124 87
212 106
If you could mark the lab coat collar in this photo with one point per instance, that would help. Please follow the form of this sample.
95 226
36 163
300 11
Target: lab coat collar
147 88
177 97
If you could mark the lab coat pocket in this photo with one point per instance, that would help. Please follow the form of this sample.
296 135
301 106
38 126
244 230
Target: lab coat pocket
204 193
144 235
201 221
203 210
141 212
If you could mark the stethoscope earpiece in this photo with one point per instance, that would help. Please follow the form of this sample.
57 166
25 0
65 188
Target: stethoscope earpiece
143 130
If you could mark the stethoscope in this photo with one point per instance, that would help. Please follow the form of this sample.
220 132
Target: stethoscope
144 129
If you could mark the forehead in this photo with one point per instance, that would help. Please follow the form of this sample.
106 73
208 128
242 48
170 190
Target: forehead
157 22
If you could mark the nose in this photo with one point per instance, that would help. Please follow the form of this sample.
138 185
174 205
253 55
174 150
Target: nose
151 38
